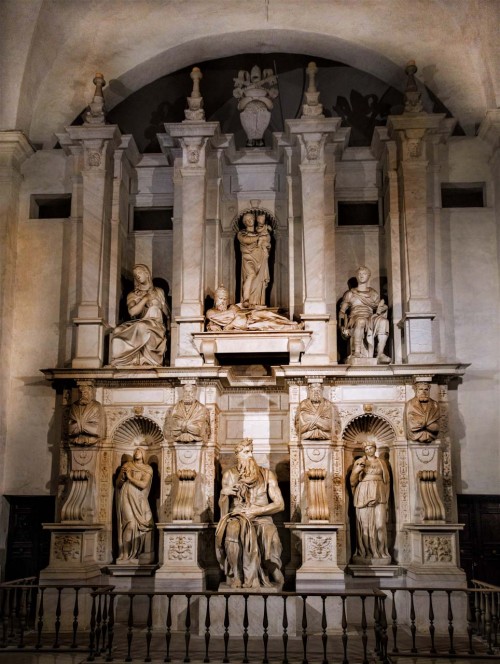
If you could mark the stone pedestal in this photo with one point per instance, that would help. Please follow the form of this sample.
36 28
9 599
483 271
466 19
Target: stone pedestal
180 548
295 343
73 553
319 569
434 557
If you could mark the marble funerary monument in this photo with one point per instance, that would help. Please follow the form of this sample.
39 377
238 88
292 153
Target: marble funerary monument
277 428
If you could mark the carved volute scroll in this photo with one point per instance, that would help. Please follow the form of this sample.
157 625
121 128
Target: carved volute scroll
317 501
433 505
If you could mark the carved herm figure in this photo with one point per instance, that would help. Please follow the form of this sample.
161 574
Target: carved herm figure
422 415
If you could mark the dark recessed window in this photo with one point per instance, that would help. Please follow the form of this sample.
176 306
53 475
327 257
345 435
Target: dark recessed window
357 214
458 195
50 206
153 219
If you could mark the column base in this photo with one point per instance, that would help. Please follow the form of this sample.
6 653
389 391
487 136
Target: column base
317 352
434 553
73 553
319 569
179 552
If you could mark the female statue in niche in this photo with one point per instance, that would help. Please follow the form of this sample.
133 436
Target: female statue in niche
134 516
141 341
255 245
370 481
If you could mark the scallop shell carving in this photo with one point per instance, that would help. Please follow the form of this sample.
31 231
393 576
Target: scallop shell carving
138 431
357 429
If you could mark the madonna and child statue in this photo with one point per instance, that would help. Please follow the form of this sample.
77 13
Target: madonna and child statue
251 313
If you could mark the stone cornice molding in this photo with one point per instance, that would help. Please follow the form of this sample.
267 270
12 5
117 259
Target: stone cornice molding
14 149
489 130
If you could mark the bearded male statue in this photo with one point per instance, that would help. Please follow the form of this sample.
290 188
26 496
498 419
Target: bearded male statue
422 415
247 543
314 417
190 419
86 420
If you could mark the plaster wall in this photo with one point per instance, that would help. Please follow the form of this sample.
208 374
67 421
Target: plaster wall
471 297
32 445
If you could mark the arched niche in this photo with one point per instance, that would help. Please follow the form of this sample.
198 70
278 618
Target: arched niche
137 431
272 290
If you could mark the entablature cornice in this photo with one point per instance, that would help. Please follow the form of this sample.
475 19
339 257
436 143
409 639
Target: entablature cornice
223 377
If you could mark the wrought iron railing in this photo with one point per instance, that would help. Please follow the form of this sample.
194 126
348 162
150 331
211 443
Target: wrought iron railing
103 623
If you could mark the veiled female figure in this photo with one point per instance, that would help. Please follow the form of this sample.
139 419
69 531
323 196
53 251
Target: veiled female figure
370 481
141 341
135 519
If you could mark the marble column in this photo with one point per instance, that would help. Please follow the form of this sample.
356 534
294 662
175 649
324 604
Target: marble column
126 156
413 132
14 150
385 151
312 134
190 177
92 148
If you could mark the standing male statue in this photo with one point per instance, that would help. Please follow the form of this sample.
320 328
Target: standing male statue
363 320
370 481
190 419
314 417
247 543
86 418
422 415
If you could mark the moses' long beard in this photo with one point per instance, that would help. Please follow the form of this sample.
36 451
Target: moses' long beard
248 470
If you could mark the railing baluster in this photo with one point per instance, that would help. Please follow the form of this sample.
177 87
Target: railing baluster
394 618
111 625
487 622
431 622
470 622
75 619
168 631
207 629
5 616
451 629
130 628
38 644
104 624
376 623
344 631
22 617
364 635
149 628
187 624
57 626
494 619
265 635
304 630
12 612
245 629
285 632
478 601
383 630
226 629
91 656
324 625
98 624
413 628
